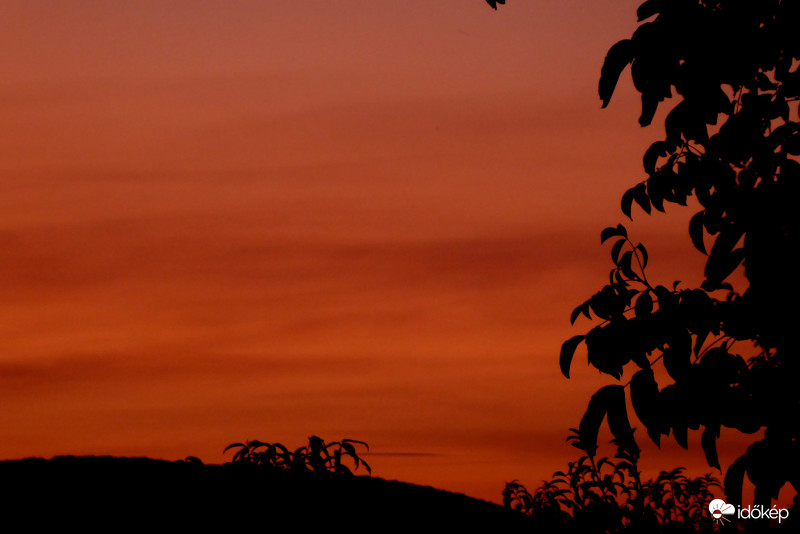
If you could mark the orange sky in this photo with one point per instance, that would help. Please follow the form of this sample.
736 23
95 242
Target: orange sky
365 219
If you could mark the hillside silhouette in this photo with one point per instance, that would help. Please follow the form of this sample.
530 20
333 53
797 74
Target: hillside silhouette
109 492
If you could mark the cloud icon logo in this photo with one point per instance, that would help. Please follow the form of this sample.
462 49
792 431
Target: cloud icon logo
719 509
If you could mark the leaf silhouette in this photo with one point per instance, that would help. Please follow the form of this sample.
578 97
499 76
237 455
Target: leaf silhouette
599 405
709 443
619 56
568 351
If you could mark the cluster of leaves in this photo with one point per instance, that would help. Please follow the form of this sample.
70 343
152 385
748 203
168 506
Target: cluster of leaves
732 141
608 496
683 328
317 456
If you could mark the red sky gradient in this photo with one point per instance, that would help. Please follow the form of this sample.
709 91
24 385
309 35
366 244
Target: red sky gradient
234 220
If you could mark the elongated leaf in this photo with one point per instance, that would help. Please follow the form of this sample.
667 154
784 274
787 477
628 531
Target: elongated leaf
709 442
627 202
650 103
675 123
658 190
232 445
582 309
366 466
618 420
641 198
645 401
616 249
568 351
589 426
349 449
643 254
619 56
696 231
348 440
625 265
606 400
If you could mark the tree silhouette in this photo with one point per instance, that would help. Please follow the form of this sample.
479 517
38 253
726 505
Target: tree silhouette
730 67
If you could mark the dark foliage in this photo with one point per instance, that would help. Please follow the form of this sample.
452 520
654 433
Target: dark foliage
608 496
317 456
732 141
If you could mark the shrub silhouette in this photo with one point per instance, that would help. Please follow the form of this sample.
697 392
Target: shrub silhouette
317 456
607 496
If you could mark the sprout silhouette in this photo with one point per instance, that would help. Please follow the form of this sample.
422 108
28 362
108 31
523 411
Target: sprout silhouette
317 456
609 496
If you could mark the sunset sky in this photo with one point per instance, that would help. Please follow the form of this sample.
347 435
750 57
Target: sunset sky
230 220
